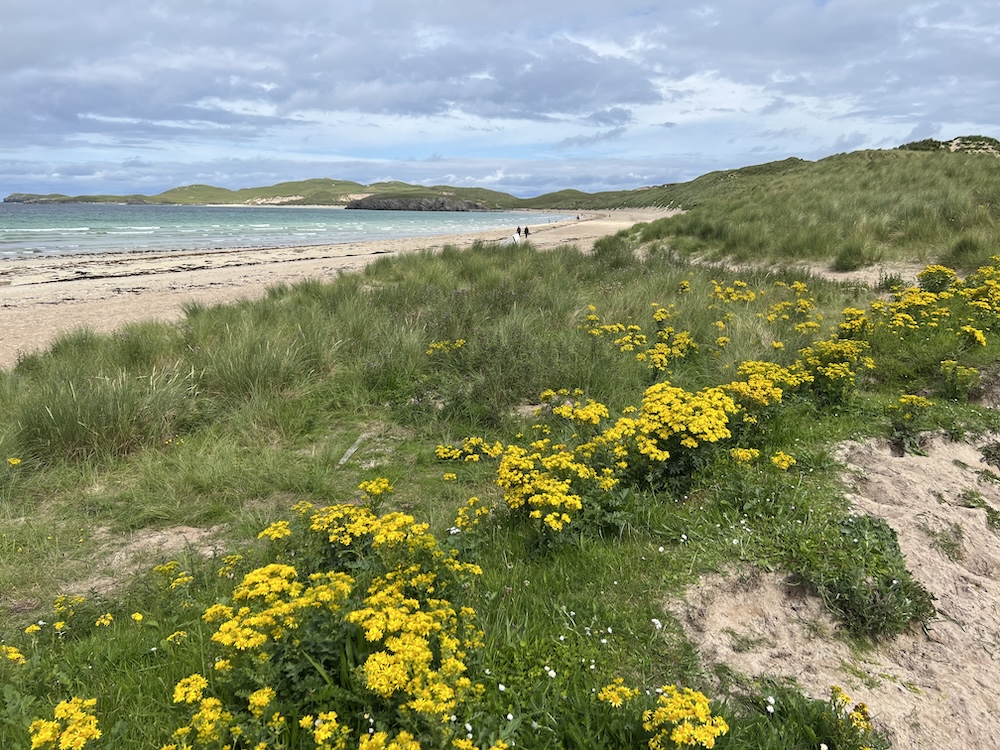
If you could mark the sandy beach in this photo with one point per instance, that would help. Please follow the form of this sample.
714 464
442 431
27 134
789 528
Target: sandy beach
44 298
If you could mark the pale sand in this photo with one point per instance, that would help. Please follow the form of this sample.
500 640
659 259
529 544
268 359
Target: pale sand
44 298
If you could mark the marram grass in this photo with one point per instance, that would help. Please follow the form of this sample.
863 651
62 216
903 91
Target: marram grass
491 528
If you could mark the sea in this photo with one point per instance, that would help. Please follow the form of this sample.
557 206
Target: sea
55 229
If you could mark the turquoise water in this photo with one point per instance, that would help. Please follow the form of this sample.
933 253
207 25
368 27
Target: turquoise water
67 229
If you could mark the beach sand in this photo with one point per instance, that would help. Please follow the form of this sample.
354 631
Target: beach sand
41 299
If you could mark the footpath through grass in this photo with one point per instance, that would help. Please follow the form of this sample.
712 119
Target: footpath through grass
452 497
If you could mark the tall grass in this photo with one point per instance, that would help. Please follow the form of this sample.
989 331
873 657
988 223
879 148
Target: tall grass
238 412
859 208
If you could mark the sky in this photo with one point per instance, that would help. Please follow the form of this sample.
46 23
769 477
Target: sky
522 96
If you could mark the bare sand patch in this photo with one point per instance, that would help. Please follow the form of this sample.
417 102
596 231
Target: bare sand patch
933 689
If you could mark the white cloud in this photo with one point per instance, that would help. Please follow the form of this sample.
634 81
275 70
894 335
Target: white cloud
523 96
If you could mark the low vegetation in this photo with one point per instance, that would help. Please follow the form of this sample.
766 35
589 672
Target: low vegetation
452 497
450 500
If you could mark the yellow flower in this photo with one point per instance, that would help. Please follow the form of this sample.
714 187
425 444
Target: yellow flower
449 477
376 487
275 531
13 461
176 637
32 629
12 654
782 460
617 693
105 620
74 726
259 700
137 616
190 689
744 455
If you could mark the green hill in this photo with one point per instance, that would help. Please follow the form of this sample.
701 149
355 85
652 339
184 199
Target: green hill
927 200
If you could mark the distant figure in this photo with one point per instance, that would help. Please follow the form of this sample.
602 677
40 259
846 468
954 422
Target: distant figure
525 233
519 231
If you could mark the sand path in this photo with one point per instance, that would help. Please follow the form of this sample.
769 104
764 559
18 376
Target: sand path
44 298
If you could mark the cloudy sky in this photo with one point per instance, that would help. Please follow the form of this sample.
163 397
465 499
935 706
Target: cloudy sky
524 96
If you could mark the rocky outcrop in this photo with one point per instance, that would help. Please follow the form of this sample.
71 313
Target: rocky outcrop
403 203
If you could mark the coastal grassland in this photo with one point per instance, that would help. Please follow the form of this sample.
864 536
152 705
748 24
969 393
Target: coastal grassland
845 211
856 209
451 498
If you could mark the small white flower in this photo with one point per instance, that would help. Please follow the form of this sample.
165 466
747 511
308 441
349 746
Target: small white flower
454 530
770 709
502 687
510 717
468 727
661 549
770 699
657 624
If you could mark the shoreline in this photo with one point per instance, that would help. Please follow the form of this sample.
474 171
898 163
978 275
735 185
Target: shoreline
42 299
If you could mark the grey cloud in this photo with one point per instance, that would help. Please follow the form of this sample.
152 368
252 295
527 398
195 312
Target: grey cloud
579 141
147 83
613 116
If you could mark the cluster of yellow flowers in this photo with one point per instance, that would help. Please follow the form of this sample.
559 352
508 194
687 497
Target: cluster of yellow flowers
833 364
541 480
617 693
744 455
425 642
800 312
967 308
470 514
590 413
376 487
440 347
11 653
738 291
683 717
959 380
175 578
73 726
858 715
327 733
416 641
549 480
667 345
473 448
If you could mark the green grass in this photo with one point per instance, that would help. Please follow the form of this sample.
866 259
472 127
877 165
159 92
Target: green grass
227 419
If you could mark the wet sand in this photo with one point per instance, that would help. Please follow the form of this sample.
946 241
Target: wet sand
41 299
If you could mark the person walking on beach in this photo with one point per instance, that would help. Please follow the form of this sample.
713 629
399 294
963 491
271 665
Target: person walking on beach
519 231
525 233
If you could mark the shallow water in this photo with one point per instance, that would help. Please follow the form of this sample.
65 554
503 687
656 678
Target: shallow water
34 230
